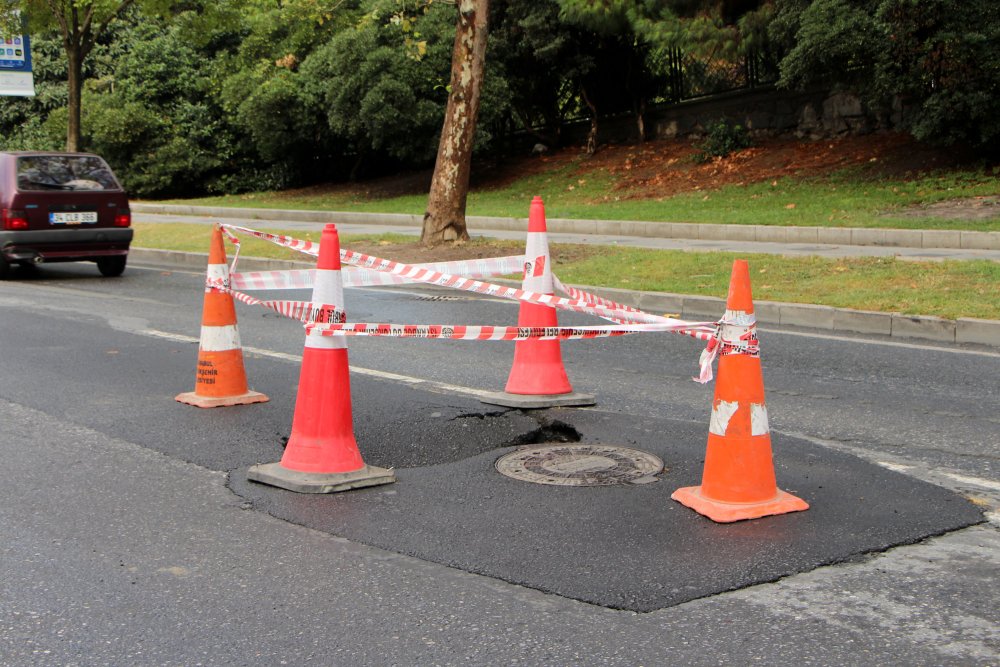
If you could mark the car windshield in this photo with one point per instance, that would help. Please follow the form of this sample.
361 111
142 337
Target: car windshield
64 172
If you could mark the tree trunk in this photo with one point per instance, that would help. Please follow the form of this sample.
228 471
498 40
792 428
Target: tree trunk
75 83
640 120
592 134
444 219
76 22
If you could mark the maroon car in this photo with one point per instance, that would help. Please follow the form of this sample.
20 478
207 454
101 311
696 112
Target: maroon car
62 207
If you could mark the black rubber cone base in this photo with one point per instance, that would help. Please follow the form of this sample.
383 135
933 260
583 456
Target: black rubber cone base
312 482
536 401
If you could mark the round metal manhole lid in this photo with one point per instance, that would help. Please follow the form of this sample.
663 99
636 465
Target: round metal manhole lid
580 465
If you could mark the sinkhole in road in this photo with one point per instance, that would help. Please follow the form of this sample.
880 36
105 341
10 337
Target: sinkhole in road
549 430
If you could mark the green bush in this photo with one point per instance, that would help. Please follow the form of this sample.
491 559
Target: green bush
937 60
722 139
157 125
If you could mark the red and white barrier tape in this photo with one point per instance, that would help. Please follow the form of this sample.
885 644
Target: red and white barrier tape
629 320
417 273
700 330
467 332
305 312
738 334
593 299
357 277
298 245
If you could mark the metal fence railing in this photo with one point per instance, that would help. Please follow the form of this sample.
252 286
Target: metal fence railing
690 77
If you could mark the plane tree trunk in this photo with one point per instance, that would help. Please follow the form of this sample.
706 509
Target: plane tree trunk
444 219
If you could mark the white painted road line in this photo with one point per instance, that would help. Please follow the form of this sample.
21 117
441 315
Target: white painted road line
430 385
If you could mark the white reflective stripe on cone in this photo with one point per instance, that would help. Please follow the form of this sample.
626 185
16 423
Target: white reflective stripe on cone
537 252
723 411
327 288
758 419
218 272
320 342
219 339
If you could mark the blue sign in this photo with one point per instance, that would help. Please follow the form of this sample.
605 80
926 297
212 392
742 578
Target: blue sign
15 66
15 53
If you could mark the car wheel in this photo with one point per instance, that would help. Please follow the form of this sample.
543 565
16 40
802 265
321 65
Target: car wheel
4 268
111 266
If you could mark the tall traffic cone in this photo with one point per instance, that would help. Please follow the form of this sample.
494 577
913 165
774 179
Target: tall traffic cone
220 379
537 378
322 455
738 478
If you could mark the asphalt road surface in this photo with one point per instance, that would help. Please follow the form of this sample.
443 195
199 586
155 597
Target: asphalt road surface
131 536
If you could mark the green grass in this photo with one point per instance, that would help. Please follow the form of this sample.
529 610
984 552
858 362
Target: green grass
186 237
850 198
946 289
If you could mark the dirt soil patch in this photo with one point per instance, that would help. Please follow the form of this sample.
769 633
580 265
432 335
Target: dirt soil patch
663 168
970 208
658 169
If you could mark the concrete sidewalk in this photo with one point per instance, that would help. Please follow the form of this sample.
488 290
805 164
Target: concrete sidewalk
917 245
837 241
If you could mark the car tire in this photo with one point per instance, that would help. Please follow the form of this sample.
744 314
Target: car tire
4 268
111 267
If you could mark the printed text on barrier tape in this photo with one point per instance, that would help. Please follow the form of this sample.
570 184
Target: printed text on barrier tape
475 332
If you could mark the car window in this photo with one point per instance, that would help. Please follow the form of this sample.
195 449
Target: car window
64 172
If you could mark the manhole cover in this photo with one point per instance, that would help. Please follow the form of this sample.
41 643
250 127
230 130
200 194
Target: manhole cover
580 465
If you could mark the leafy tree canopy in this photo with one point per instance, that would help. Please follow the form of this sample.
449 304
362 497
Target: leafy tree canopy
939 58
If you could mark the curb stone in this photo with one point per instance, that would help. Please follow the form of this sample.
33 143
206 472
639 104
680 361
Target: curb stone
904 238
964 330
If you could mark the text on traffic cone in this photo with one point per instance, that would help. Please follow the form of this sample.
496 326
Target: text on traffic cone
220 378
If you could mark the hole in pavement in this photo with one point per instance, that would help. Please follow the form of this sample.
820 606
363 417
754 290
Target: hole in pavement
549 430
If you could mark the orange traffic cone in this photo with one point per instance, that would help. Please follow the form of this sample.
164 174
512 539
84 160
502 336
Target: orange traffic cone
322 455
537 378
220 379
738 479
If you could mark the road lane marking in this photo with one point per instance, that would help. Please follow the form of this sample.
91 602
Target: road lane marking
822 336
974 481
846 339
895 467
72 291
430 385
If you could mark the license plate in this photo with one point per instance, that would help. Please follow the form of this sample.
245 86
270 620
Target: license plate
75 218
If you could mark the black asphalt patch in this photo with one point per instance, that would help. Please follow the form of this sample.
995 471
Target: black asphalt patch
629 547
624 546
